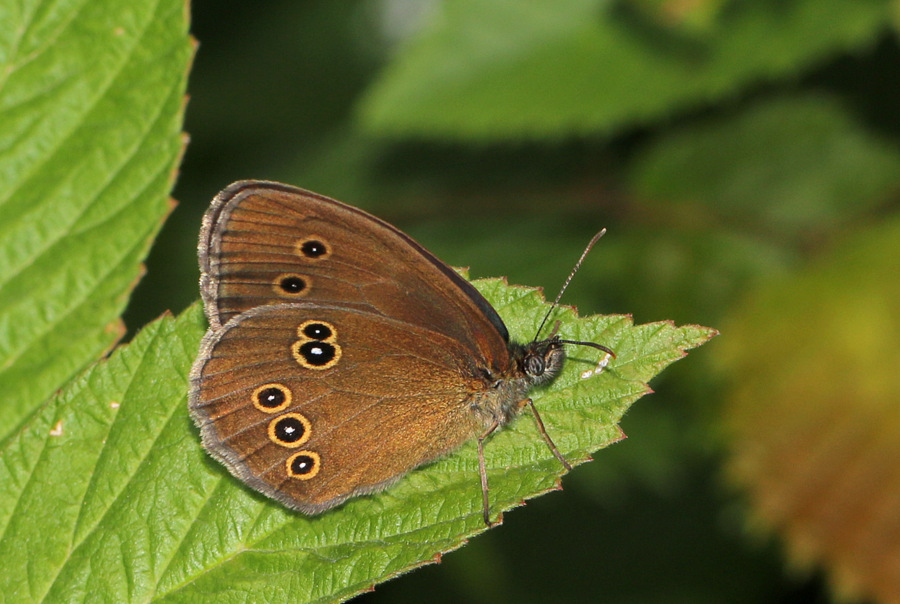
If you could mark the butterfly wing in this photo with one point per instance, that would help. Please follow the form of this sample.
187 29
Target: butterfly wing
312 404
267 243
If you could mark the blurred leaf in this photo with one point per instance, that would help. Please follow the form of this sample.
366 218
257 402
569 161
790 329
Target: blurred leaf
692 16
674 271
108 490
91 101
814 420
788 164
649 270
555 68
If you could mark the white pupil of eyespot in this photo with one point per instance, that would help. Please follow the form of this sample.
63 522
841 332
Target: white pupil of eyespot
315 351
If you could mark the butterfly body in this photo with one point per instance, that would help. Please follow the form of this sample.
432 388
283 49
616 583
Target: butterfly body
341 354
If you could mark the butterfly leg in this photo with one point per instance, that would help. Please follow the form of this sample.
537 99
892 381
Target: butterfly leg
547 439
481 468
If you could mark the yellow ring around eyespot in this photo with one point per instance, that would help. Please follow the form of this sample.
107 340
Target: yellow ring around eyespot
284 390
298 247
307 430
330 339
301 360
317 464
307 284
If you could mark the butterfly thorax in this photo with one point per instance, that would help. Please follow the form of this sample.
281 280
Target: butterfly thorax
531 365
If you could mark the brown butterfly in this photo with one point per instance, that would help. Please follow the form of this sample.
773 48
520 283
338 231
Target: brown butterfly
341 354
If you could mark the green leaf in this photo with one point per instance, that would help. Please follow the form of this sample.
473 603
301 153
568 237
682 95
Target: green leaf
108 490
792 164
91 103
553 68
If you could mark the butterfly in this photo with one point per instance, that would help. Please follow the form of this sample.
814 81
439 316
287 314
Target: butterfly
341 354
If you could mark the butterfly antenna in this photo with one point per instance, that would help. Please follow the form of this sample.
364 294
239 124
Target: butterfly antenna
577 266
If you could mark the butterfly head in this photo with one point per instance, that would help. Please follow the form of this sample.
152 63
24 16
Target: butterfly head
542 360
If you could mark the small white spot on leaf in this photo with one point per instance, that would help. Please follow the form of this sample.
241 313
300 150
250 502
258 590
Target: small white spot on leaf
598 369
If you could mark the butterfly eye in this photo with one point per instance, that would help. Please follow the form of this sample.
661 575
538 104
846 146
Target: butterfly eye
534 365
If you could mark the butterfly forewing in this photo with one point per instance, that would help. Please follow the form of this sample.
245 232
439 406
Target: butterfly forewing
267 243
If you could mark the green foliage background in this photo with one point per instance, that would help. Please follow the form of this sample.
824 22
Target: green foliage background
727 145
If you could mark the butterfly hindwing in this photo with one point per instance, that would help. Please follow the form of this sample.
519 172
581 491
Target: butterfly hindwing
312 404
